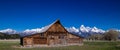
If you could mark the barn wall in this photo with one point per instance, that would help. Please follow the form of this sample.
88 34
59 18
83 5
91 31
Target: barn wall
56 34
74 39
27 41
55 38
72 36
35 39
52 38
39 40
57 27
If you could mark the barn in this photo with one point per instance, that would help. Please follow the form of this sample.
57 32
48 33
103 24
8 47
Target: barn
52 35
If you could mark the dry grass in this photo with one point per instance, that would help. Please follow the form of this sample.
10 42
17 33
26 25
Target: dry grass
14 45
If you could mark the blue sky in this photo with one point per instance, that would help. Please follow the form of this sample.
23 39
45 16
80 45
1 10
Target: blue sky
28 14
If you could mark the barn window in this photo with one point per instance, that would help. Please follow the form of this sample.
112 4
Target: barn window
41 35
61 37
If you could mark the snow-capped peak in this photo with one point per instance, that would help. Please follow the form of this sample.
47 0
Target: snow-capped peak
118 30
32 31
72 30
8 31
84 29
94 29
89 29
82 26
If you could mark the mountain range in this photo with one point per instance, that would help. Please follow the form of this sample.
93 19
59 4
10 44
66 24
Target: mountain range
85 31
81 31
8 31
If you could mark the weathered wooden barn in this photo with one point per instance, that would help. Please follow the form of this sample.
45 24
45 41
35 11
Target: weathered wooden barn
52 35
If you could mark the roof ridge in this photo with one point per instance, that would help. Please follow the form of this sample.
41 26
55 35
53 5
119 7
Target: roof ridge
48 26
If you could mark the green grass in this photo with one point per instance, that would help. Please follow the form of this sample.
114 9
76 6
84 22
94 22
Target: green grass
5 45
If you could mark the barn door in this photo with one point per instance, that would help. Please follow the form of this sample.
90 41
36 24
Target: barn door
29 41
62 39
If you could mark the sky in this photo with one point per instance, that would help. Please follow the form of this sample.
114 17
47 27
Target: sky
29 14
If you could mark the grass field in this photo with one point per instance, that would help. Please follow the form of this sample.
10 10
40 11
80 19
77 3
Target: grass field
9 45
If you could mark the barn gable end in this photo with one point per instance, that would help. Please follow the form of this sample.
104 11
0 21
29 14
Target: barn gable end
57 27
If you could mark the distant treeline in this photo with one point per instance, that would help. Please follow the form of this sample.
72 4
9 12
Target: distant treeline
9 36
110 35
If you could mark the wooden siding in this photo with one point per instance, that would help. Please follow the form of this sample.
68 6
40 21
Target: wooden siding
56 34
56 28
39 40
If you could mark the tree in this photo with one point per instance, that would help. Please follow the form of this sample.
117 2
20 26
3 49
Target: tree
111 35
9 36
95 37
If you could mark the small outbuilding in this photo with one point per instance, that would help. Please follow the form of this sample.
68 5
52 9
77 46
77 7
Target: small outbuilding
52 35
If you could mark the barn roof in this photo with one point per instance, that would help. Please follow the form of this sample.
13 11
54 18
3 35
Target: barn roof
48 26
44 29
